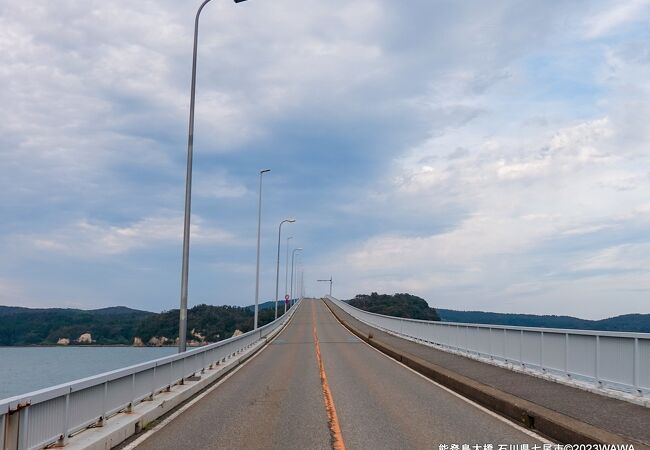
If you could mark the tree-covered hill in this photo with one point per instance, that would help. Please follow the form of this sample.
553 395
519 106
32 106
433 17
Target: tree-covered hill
26 326
639 323
120 325
398 305
212 322
406 305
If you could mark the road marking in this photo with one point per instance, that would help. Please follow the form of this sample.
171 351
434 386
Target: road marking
147 434
333 419
518 427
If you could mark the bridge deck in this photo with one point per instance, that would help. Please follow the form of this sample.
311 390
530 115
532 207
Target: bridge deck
613 415
277 400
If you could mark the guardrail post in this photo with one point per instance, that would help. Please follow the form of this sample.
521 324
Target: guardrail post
566 355
636 367
12 424
3 425
521 348
129 408
541 351
102 419
153 383
182 380
597 371
66 418
491 352
23 426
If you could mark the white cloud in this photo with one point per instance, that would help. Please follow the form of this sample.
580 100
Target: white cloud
90 239
614 16
625 257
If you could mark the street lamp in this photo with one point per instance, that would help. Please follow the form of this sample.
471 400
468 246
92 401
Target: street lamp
286 274
277 267
302 284
257 272
330 282
296 279
297 272
182 323
293 254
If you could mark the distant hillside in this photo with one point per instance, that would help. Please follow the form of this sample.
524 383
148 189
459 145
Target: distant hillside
398 305
267 305
120 325
639 323
212 322
407 305
26 326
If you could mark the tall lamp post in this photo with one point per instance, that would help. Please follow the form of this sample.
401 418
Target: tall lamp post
298 275
277 266
330 282
257 270
182 323
293 254
286 273
302 284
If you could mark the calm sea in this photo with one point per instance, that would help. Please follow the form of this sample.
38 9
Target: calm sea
26 369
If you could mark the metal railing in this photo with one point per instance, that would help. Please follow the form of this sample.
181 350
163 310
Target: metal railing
49 416
618 361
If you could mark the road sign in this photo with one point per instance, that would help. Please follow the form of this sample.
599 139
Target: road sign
286 297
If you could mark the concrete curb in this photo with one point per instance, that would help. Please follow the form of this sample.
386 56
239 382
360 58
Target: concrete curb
125 426
557 426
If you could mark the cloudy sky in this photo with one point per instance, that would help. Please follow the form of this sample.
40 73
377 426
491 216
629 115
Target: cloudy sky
482 155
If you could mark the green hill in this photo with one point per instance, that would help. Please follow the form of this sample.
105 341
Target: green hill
639 323
212 322
397 305
26 326
267 305
120 325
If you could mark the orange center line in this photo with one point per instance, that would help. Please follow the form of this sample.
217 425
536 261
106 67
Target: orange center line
333 419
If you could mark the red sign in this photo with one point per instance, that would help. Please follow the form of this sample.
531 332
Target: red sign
286 297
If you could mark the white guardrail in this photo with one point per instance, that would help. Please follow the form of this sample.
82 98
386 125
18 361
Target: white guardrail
618 361
49 416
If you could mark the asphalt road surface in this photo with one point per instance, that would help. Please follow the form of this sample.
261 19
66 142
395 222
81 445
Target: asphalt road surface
316 386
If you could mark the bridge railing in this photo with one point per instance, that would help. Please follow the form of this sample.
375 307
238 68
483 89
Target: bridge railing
49 416
619 361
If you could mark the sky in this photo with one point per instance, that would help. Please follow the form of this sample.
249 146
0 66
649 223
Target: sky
481 155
